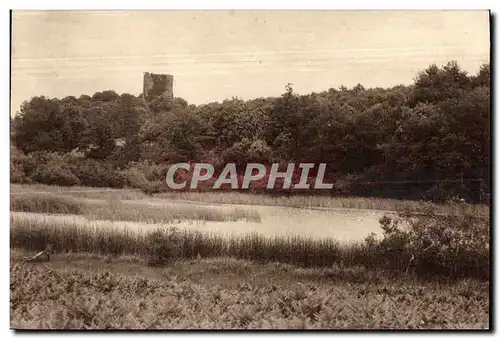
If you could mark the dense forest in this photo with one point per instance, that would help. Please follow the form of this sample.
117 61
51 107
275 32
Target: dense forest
429 140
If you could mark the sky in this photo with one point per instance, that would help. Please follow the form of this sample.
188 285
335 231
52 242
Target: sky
214 55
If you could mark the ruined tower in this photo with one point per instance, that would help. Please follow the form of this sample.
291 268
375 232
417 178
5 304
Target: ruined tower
158 85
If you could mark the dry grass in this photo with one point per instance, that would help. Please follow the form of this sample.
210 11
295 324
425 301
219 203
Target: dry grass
303 201
114 209
80 191
119 211
69 237
232 294
45 203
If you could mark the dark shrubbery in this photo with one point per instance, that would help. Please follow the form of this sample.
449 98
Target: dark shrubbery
95 173
429 244
162 246
55 171
22 166
149 177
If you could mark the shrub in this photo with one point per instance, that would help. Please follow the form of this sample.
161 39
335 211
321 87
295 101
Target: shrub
91 172
162 246
17 175
430 244
55 175
54 169
67 169
21 166
246 151
148 177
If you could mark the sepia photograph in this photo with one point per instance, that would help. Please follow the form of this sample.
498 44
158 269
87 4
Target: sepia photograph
250 170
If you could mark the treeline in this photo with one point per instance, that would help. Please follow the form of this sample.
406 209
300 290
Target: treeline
429 140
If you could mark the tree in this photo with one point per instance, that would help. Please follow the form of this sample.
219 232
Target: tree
437 84
39 126
98 140
483 78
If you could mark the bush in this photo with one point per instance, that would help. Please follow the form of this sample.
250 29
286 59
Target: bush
17 175
50 174
54 169
148 177
21 166
94 173
162 246
67 169
430 244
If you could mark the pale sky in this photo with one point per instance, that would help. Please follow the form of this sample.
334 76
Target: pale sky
215 55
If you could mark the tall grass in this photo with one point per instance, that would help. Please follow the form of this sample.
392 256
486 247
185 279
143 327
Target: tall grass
114 209
426 243
80 191
45 203
298 201
301 201
37 234
119 211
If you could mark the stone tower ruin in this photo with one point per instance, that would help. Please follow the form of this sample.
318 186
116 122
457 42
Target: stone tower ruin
158 85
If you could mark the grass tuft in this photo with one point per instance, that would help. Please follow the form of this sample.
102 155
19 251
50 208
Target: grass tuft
45 203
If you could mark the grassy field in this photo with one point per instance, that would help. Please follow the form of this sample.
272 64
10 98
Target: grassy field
95 292
428 270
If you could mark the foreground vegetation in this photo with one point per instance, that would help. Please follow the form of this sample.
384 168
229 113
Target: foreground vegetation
430 269
94 292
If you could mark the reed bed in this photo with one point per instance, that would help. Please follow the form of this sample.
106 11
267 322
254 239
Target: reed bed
80 191
311 201
35 235
45 203
114 209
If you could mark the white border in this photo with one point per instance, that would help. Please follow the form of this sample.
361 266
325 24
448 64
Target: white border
255 4
185 4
